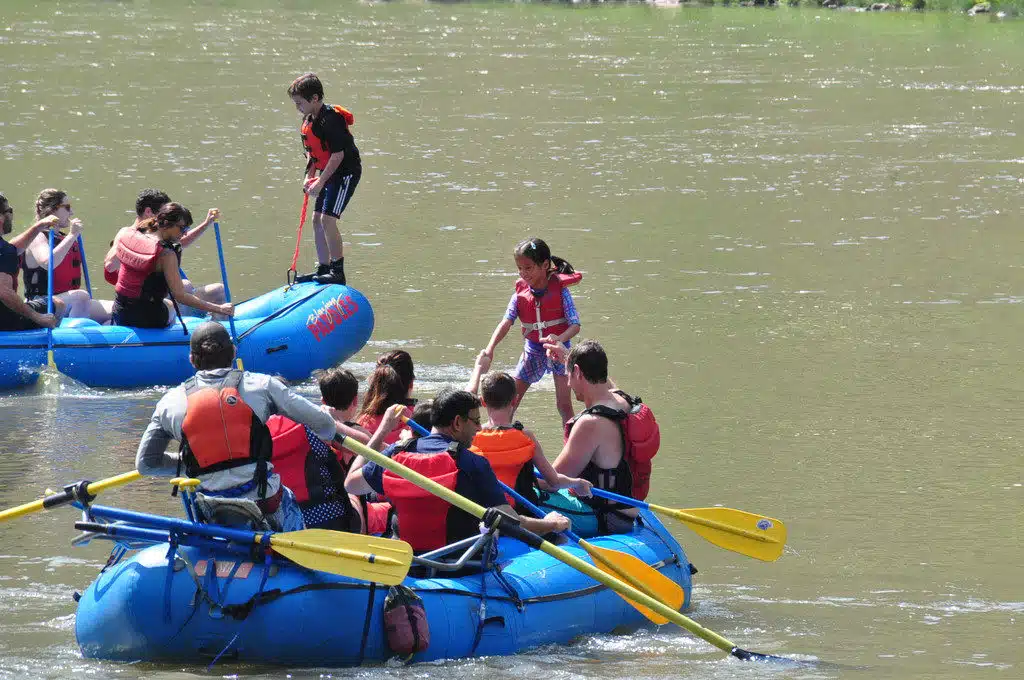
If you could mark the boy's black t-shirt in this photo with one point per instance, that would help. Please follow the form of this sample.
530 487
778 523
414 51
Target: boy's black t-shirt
331 129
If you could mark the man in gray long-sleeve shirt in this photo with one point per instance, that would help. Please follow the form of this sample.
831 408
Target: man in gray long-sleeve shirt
212 353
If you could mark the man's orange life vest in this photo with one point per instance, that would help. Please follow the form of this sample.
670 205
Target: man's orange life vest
543 314
138 254
318 152
221 431
66 276
422 516
510 453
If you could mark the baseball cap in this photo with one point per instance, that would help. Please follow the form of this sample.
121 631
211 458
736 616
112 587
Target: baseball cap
210 338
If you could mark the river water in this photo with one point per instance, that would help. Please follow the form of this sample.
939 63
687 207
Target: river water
800 234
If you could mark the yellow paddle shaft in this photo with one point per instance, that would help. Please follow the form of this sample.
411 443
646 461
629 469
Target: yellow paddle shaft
66 496
345 553
712 524
535 541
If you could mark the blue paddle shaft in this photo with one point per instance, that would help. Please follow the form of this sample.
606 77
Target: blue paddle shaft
172 524
85 265
224 277
419 429
49 280
625 500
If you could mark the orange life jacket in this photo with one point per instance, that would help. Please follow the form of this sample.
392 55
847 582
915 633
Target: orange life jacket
510 453
221 431
317 151
422 516
543 315
641 439
66 276
138 255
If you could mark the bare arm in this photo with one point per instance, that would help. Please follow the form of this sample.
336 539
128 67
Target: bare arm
22 240
195 232
355 483
10 299
169 265
38 252
483 362
497 336
553 478
391 419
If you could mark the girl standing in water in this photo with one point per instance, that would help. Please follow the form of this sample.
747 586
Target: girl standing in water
543 304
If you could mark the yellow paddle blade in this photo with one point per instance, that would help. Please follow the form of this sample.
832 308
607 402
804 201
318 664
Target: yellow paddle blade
756 536
641 576
62 497
379 560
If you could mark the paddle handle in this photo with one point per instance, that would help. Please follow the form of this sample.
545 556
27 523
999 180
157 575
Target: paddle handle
68 495
227 288
85 266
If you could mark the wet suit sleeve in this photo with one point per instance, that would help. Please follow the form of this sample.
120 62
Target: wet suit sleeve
301 410
152 457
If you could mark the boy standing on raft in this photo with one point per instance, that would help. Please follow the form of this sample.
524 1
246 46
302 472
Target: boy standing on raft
332 151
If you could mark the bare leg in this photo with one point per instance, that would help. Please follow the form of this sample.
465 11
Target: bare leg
323 249
333 234
212 292
101 310
77 301
563 399
521 387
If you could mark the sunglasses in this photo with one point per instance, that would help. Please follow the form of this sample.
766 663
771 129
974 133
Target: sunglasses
66 206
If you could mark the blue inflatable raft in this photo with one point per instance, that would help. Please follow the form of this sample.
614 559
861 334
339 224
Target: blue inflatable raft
288 332
184 610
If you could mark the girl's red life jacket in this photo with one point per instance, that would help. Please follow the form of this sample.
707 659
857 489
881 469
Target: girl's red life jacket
66 276
641 439
221 431
543 315
138 254
318 152
422 516
509 451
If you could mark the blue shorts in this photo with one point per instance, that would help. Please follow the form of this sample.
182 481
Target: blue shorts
336 194
532 367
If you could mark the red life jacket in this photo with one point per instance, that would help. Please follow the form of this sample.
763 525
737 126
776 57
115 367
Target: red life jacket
510 453
371 422
641 439
422 516
66 276
138 255
543 315
221 431
294 461
318 152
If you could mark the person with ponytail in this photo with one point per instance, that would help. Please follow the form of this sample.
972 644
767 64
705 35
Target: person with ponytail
150 256
385 388
543 304
67 260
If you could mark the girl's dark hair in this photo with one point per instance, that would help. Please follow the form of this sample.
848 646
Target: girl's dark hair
537 251
401 361
385 387
167 217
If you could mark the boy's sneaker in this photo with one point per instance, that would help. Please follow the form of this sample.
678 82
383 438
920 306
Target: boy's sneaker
321 269
335 275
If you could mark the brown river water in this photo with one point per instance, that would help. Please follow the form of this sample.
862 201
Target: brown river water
800 238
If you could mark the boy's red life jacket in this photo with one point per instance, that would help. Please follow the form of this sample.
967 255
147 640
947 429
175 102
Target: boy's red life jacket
221 431
318 152
422 516
66 276
138 255
510 453
293 462
543 315
641 439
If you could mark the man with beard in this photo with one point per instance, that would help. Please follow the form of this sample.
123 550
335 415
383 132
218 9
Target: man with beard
17 314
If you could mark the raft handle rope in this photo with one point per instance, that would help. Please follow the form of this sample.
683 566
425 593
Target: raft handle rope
292 273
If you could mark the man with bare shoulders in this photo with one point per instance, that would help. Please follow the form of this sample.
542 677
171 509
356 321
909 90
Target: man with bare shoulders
610 443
